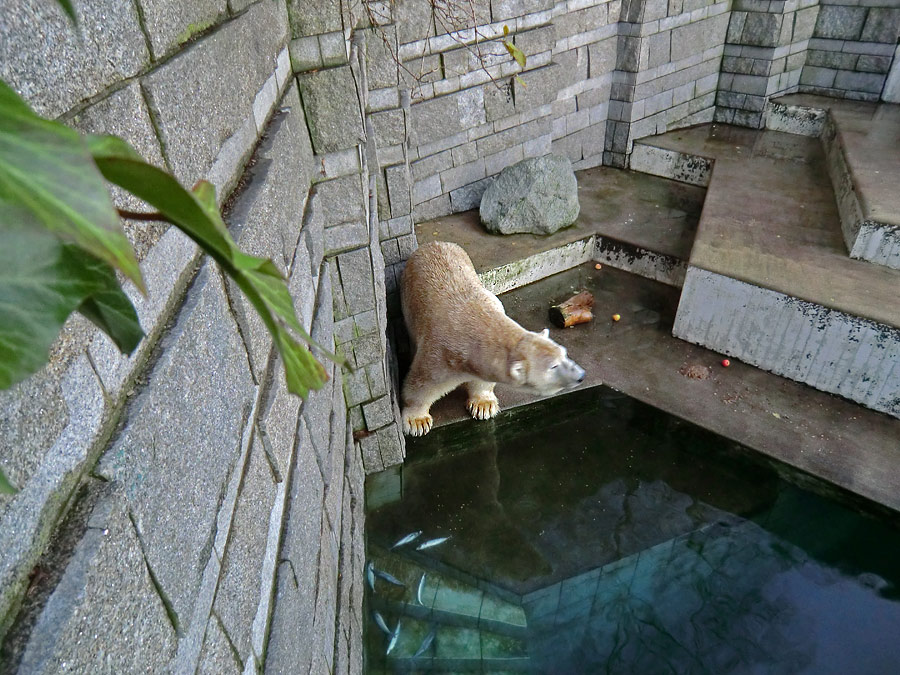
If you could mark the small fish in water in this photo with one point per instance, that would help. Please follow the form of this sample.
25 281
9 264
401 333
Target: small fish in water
370 575
388 577
380 622
412 536
431 542
394 636
420 589
426 643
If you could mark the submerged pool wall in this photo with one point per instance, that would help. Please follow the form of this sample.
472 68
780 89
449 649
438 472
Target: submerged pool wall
178 506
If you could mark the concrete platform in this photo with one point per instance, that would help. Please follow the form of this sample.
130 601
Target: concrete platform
628 219
862 146
829 438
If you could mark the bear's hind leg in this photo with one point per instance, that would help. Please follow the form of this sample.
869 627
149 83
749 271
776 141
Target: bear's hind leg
482 403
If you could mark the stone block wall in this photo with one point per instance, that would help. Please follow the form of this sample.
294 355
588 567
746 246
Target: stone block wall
178 510
669 52
765 51
851 49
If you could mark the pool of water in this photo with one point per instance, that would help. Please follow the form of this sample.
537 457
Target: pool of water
592 534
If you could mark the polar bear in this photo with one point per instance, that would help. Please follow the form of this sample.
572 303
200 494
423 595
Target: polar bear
460 334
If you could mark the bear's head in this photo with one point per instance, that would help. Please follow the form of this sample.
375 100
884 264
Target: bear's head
539 364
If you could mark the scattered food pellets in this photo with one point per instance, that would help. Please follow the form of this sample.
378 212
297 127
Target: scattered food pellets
598 266
616 317
725 363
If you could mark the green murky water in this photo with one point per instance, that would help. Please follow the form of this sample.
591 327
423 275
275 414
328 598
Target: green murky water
595 534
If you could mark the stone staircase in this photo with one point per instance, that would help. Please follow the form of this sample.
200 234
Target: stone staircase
474 629
769 280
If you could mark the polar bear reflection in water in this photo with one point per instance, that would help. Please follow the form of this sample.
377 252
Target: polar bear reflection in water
460 334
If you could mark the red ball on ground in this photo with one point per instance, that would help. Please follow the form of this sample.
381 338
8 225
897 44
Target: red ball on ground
726 363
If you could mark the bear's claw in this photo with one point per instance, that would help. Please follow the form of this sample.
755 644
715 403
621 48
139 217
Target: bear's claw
417 426
484 407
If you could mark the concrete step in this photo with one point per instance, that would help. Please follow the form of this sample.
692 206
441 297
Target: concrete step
769 281
446 601
628 220
862 147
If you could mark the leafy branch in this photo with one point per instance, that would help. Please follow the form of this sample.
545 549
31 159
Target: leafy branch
61 242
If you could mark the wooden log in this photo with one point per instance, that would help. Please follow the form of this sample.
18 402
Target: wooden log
575 310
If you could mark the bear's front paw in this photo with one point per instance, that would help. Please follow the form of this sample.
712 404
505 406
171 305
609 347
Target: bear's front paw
417 426
483 407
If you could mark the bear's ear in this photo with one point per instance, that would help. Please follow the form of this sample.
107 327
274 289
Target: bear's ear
517 372
545 333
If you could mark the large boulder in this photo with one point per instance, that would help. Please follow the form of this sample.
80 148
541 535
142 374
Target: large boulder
537 195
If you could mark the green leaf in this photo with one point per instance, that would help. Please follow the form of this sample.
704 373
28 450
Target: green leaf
5 486
42 281
68 9
197 215
515 52
109 308
505 30
47 178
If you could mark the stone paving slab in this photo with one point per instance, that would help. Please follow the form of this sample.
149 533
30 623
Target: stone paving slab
830 438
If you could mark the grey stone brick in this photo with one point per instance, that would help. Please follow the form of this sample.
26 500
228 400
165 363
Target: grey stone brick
54 66
498 100
390 251
377 382
863 82
381 57
267 215
217 657
434 119
289 648
224 79
124 113
345 237
506 9
357 280
331 105
171 493
456 177
366 350
333 48
390 445
305 54
426 189
378 413
390 128
603 56
239 583
839 22
817 77
805 23
660 44
468 196
874 64
341 200
495 163
106 593
371 453
882 25
540 39
762 29
169 24
433 208
309 17
397 179
414 19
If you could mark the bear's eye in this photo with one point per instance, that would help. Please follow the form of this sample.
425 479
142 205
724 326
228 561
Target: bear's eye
554 366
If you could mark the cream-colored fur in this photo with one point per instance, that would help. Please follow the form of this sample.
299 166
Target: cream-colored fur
460 334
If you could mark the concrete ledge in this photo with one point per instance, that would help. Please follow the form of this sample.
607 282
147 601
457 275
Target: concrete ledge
824 348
